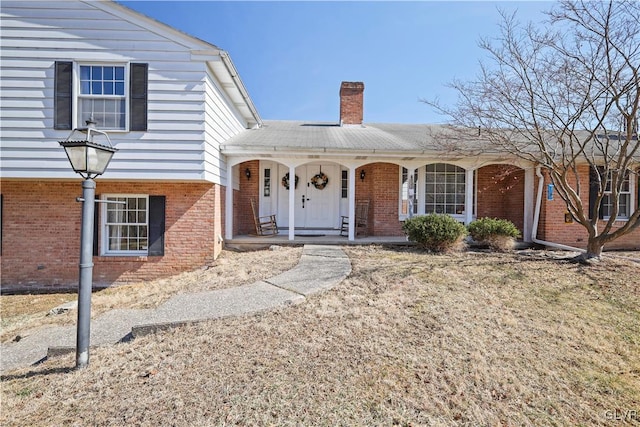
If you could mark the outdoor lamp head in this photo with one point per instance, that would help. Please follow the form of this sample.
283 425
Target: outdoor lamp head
88 158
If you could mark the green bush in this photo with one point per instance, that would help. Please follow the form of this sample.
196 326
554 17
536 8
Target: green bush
434 232
498 234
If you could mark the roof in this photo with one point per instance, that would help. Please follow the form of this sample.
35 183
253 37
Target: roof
313 136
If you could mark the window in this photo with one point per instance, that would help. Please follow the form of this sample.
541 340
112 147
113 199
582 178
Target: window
344 184
114 94
444 189
267 183
408 192
102 96
624 199
126 225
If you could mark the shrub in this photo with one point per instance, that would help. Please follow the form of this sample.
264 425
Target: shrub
498 234
434 232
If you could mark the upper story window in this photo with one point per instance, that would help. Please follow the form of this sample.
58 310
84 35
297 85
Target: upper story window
102 96
114 94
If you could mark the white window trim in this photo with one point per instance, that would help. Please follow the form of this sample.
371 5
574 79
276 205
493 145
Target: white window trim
632 198
420 190
104 236
417 189
77 95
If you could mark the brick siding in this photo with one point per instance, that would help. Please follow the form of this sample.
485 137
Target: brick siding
41 233
500 193
552 226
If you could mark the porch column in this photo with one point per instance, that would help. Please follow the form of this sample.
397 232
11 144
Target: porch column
529 184
228 204
411 191
352 203
468 196
292 202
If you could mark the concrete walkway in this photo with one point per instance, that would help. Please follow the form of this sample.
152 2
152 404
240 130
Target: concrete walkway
320 268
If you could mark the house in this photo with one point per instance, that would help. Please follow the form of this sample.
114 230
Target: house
187 132
167 100
403 170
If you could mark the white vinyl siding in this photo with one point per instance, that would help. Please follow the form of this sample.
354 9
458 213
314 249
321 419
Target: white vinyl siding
182 93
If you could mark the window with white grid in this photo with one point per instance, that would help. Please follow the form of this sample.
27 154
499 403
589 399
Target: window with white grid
103 95
126 224
444 189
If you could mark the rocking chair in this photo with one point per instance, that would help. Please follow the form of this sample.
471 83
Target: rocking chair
362 219
265 225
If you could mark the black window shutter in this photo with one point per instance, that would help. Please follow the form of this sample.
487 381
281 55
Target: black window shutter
63 99
138 97
156 225
594 189
96 228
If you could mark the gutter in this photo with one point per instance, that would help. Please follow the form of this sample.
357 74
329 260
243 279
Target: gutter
226 60
536 219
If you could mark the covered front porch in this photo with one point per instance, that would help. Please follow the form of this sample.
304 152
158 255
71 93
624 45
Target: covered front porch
395 191
249 242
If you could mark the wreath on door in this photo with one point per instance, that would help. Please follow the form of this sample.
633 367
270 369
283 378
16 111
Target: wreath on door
320 180
285 181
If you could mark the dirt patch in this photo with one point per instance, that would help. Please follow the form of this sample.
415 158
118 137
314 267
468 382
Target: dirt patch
407 339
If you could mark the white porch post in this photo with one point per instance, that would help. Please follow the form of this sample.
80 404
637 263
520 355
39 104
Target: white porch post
468 197
352 203
411 191
228 205
529 183
292 202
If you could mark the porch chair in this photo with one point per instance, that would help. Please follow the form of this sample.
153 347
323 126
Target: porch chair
265 225
362 219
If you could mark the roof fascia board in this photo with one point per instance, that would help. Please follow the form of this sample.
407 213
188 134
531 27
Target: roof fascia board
233 72
150 24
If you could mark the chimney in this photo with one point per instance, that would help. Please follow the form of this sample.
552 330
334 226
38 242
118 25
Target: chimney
351 105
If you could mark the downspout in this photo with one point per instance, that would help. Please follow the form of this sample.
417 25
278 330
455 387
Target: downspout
536 218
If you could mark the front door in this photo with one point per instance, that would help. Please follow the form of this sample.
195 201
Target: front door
315 206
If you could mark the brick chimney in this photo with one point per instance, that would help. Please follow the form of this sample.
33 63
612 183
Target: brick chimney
351 103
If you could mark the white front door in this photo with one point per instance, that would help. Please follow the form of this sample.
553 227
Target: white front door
315 208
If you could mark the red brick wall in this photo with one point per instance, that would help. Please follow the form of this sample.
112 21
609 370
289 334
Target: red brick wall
41 233
249 189
500 193
380 186
552 227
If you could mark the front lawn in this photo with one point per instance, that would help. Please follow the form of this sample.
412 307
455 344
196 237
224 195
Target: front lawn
407 339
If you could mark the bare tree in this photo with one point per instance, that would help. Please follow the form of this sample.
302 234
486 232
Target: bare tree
564 95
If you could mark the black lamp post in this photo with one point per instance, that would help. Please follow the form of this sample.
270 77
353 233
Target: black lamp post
89 159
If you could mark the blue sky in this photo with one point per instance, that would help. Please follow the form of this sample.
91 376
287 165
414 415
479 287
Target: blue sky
292 56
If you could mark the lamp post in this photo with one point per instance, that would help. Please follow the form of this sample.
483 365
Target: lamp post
89 159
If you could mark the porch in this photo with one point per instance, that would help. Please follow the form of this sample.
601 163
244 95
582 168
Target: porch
251 242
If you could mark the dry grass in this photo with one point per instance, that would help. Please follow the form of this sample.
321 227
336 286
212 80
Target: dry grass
22 313
407 339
